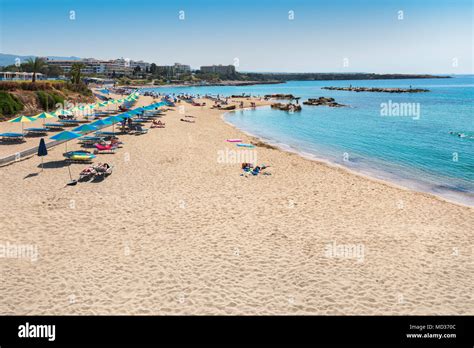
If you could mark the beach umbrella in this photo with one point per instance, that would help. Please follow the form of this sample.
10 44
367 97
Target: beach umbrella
62 112
127 115
66 136
114 119
85 128
42 151
101 123
22 119
43 115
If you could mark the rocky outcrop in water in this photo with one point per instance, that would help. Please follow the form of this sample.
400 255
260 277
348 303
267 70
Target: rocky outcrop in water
324 101
377 89
286 107
280 96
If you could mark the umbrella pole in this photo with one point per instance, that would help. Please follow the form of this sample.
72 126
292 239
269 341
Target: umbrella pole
42 163
69 166
69 169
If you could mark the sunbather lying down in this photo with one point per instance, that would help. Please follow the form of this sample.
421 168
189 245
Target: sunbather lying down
95 170
157 124
190 116
249 169
182 119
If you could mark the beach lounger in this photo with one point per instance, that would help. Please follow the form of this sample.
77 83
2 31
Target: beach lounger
109 148
36 131
140 130
102 170
12 137
105 134
87 140
66 117
54 126
87 174
70 123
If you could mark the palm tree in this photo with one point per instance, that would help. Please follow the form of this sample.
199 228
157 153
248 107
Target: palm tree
76 72
35 66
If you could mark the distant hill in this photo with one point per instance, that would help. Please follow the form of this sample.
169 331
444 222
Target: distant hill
9 59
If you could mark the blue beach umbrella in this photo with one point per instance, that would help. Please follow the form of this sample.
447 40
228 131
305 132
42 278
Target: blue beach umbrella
85 128
66 136
42 151
22 119
101 123
114 119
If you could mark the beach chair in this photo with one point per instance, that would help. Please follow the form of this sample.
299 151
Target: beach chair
12 137
87 174
90 141
36 131
54 126
109 148
102 170
138 130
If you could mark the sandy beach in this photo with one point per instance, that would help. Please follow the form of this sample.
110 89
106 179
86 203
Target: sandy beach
175 231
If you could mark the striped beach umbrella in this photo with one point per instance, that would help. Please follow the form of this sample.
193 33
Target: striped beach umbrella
44 116
62 112
22 119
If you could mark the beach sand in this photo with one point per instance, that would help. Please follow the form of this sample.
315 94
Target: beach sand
174 231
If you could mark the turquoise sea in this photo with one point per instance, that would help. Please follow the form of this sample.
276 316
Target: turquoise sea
415 150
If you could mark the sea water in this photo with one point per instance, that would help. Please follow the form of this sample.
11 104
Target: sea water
403 138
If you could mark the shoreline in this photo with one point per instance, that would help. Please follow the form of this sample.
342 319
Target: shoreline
338 166
221 84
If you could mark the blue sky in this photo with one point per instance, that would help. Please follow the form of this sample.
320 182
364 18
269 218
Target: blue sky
365 34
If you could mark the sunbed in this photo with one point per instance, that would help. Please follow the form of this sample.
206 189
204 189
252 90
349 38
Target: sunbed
109 148
91 140
140 130
54 126
70 123
12 137
36 131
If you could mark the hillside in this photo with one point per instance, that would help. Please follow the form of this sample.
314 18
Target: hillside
28 98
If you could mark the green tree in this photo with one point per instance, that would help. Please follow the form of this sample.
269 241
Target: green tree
76 72
34 65
54 71
136 70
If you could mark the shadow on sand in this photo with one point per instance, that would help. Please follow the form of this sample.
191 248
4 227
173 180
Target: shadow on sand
30 175
54 164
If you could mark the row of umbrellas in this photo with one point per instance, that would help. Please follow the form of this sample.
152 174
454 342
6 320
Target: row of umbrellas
111 120
45 115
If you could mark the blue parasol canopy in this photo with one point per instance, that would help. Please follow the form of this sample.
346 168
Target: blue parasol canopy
85 128
66 135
